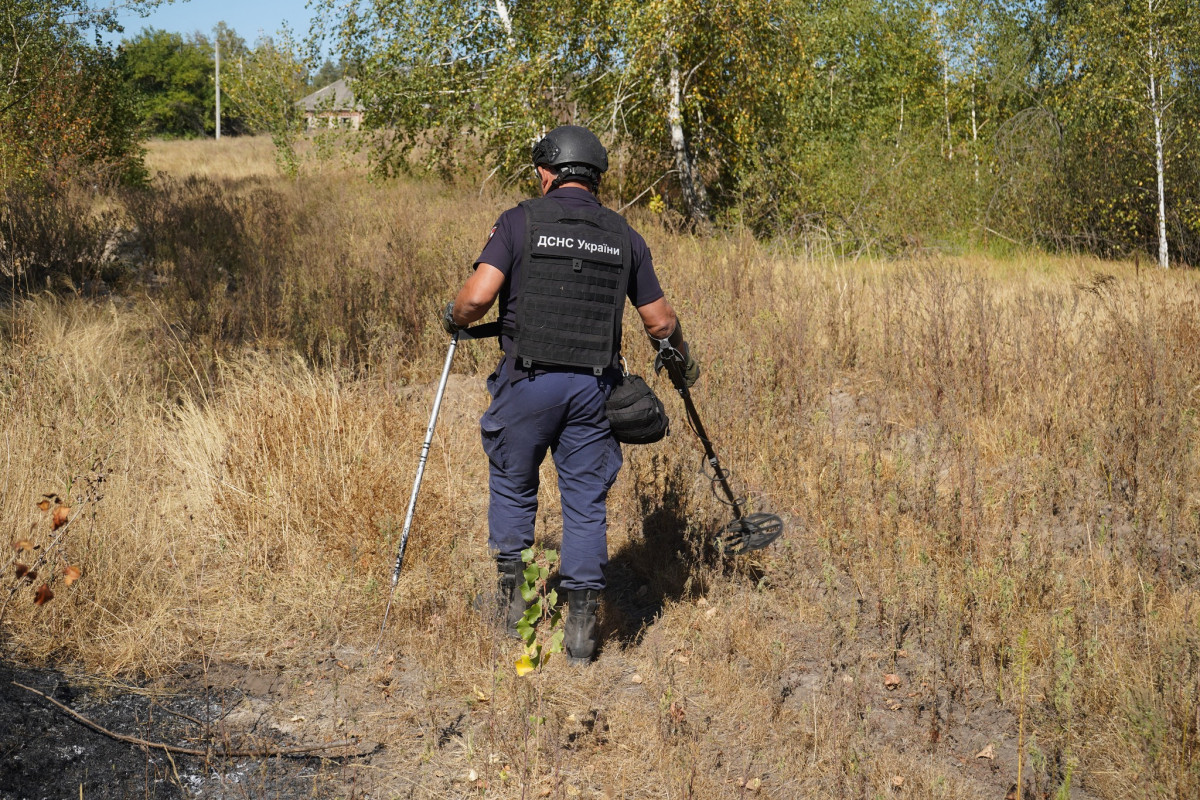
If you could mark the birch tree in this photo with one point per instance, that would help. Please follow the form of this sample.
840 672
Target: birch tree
676 88
1156 74
449 85
709 80
263 85
1133 63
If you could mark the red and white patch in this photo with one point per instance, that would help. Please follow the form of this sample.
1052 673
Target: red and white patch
491 233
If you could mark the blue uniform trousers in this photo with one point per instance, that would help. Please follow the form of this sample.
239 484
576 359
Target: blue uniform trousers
562 411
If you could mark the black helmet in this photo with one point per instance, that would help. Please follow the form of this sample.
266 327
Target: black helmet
574 152
570 144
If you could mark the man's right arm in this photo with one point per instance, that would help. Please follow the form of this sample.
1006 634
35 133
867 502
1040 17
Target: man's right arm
661 323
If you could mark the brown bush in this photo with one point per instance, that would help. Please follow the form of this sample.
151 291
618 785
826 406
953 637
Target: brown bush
56 236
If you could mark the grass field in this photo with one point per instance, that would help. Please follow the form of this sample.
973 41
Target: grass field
988 469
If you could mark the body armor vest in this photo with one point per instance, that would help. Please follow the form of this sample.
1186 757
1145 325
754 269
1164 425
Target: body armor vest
574 277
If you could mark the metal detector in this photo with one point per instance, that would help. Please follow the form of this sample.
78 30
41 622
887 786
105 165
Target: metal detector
487 331
747 532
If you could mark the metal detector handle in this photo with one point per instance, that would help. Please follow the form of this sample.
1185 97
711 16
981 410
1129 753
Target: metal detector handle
486 331
674 361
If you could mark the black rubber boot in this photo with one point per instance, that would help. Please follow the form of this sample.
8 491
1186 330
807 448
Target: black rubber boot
579 640
511 605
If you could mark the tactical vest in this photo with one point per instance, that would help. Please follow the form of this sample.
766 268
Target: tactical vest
574 277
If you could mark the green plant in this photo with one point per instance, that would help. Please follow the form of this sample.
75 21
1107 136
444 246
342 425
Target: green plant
1023 665
542 605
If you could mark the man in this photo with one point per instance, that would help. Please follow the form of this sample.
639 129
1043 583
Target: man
561 266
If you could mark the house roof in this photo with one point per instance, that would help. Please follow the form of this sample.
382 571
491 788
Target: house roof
334 97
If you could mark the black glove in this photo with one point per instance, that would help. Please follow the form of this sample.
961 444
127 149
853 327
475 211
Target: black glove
451 327
691 370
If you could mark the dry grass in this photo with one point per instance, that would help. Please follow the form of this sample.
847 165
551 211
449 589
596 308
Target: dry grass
242 157
228 159
989 471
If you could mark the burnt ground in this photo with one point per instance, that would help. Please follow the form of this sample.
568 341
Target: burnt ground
44 753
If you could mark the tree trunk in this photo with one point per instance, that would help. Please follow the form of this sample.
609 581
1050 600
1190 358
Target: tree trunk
944 57
946 103
505 22
695 198
1159 166
974 122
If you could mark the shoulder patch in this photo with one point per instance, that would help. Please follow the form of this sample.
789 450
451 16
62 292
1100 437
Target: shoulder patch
491 233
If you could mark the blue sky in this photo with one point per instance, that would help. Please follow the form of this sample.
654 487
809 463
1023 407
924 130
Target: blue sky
249 18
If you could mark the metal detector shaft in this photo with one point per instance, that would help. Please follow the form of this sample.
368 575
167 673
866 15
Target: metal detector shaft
673 360
412 500
747 532
478 332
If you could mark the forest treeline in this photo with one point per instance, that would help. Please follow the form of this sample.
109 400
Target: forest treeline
863 125
878 123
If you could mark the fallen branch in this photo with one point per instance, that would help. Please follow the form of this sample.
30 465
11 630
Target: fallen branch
265 752
1002 236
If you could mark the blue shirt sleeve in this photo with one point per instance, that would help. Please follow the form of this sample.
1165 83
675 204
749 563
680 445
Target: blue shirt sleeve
643 282
506 242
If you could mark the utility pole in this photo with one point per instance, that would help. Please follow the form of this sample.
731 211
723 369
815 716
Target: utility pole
218 42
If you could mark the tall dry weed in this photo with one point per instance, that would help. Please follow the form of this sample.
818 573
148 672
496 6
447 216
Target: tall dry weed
988 471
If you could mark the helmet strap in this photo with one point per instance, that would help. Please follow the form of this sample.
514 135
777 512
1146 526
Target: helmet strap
567 175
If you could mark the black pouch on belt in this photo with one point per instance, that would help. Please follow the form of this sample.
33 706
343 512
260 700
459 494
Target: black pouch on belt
635 413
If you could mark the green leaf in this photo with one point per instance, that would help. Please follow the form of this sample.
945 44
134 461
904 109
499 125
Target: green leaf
555 643
528 592
551 556
527 555
552 598
532 573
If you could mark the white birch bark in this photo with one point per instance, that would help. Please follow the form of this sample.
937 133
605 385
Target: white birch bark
974 122
1160 170
694 195
505 21
1156 111
946 103
217 47
944 56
